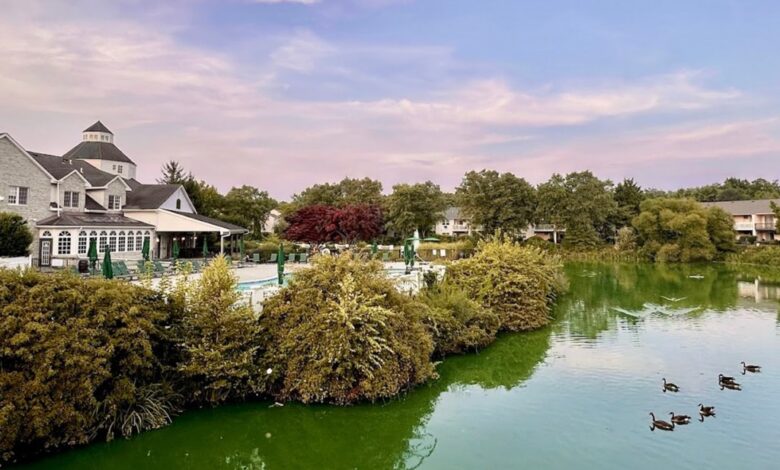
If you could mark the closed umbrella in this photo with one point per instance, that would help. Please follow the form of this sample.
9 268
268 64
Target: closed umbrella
145 249
280 264
92 254
374 248
108 269
175 249
241 247
205 248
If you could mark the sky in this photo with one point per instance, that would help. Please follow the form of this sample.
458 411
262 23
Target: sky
282 94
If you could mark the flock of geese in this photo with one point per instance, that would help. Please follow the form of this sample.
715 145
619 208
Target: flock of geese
724 381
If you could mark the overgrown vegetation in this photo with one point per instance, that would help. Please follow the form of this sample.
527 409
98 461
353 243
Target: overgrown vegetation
682 230
760 255
516 282
341 332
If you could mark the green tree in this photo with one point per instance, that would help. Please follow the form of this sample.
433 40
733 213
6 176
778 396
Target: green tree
682 230
348 191
581 203
628 197
220 340
15 236
205 197
173 173
414 206
496 201
248 207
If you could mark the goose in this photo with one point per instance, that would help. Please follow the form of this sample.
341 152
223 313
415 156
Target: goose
730 386
679 419
668 386
706 410
750 368
725 379
661 424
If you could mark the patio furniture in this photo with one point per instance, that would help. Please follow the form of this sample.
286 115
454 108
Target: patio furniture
386 256
273 258
256 258
304 258
291 258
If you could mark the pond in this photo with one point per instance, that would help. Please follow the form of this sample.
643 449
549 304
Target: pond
574 395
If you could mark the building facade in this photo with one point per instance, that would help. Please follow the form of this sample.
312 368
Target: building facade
455 224
752 218
90 194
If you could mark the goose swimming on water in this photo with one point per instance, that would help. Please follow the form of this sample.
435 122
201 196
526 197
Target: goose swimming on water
661 424
670 387
679 419
725 379
750 368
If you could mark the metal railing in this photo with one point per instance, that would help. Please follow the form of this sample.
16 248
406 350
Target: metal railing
765 226
743 226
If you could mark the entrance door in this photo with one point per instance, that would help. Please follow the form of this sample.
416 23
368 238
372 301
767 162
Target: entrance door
45 250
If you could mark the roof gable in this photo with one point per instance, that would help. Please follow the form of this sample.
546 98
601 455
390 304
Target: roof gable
98 127
89 150
150 196
26 154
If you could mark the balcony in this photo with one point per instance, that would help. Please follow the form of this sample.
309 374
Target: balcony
545 228
765 226
460 228
744 226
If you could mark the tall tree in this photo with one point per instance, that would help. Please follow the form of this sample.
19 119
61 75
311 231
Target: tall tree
628 197
249 207
15 236
496 201
345 192
415 206
579 202
173 173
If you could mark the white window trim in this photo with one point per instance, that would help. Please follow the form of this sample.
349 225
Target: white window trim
17 191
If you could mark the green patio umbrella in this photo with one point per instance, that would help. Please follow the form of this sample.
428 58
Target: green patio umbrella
280 264
108 269
374 248
92 254
205 248
145 249
175 249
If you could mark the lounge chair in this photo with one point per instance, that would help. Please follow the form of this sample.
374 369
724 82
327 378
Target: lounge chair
256 258
303 258
159 268
273 258
291 258
196 267
386 256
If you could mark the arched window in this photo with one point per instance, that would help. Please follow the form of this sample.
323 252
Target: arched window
121 240
63 243
93 236
103 241
46 234
178 203
112 240
139 241
82 243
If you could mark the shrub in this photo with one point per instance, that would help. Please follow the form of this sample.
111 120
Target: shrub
77 361
457 323
15 236
220 340
763 255
518 283
341 333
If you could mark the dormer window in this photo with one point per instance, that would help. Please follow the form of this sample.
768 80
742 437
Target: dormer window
119 168
71 199
114 202
178 203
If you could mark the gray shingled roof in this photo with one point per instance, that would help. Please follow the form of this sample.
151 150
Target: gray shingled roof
98 127
60 167
758 206
97 151
149 196
87 219
212 221
93 205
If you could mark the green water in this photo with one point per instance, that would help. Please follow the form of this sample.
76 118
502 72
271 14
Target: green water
575 395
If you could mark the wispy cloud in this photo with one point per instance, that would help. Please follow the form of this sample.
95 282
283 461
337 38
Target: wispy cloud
235 123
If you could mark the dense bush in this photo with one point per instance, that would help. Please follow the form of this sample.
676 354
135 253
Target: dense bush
341 333
15 236
78 360
457 323
682 230
516 282
763 255
220 340
452 250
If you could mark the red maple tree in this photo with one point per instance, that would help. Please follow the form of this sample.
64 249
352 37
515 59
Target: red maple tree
321 224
